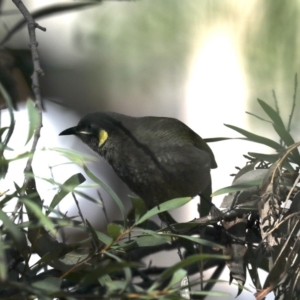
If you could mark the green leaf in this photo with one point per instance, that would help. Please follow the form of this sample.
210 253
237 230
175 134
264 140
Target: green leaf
34 119
68 186
36 210
272 158
17 235
152 240
210 293
176 278
107 267
195 240
109 191
272 113
165 206
256 138
217 139
114 230
2 130
139 207
75 157
9 105
288 140
258 117
3 264
237 187
182 264
50 285
104 238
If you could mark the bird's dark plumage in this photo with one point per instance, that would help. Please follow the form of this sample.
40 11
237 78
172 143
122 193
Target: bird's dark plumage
158 158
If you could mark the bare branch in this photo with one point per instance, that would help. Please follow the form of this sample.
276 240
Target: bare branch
37 72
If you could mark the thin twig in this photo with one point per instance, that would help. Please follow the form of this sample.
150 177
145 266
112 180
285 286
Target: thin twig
79 210
103 206
294 102
37 71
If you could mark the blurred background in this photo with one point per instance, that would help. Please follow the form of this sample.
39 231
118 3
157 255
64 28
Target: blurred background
203 62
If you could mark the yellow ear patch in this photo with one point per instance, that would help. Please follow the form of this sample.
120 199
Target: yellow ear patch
103 135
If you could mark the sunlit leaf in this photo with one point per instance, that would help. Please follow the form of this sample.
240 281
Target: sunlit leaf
68 186
2 130
165 206
236 187
272 158
272 113
182 264
9 105
107 267
217 139
17 235
34 119
176 278
152 240
74 156
36 210
256 138
139 207
258 117
288 140
3 264
114 230
104 238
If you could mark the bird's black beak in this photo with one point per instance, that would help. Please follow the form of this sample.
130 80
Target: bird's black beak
69 131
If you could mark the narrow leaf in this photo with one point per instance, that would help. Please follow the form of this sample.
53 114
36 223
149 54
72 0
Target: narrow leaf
104 238
3 264
68 186
288 140
2 130
36 210
258 117
17 235
152 240
272 113
217 139
93 234
168 205
107 267
176 278
272 158
256 138
114 230
9 105
236 187
74 156
108 190
48 285
182 264
34 119
139 207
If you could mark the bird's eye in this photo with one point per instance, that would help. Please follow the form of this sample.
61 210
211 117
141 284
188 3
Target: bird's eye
90 127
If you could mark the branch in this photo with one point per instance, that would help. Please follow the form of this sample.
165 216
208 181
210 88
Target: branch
37 71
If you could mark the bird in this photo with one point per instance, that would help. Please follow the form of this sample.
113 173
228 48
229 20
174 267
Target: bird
158 158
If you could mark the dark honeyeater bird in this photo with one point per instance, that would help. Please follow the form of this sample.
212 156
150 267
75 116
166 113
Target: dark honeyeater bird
158 158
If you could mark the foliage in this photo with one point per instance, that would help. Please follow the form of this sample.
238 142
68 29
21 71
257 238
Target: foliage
112 261
258 222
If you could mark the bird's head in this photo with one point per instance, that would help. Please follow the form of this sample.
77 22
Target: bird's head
94 129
